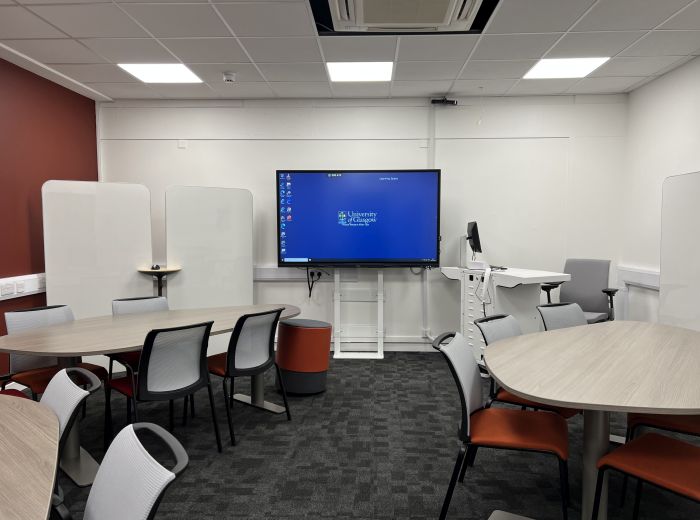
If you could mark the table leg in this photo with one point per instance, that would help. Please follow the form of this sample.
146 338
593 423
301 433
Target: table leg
257 396
596 439
76 462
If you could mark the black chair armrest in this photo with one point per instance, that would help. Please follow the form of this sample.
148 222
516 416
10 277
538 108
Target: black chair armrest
442 338
548 287
610 291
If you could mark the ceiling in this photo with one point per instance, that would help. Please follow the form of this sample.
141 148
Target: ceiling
274 49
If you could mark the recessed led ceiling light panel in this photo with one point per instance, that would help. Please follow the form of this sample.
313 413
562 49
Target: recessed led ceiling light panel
564 68
360 71
161 72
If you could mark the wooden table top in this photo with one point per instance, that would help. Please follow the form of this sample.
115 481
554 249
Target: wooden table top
112 334
28 458
623 366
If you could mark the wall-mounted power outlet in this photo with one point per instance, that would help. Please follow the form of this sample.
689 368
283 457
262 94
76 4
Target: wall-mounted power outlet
6 289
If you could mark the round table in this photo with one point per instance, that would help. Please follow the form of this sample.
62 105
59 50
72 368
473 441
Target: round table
28 456
124 333
620 366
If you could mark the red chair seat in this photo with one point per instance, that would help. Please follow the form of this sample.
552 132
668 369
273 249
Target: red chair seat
217 364
678 423
122 385
522 430
664 461
14 393
128 358
504 396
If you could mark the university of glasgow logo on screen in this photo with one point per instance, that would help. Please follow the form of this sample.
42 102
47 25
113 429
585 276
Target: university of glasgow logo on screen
357 218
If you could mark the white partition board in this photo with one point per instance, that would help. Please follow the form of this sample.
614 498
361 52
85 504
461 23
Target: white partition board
679 298
96 236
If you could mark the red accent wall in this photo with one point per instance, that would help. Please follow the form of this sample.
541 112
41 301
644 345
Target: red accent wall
46 132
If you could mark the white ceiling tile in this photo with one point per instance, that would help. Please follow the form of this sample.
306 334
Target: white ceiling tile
130 50
294 71
58 2
687 19
96 73
282 50
7 2
125 90
243 90
359 48
184 91
513 46
160 1
268 19
425 70
55 51
178 20
529 87
506 69
360 90
315 89
666 43
86 21
17 22
213 73
207 50
420 88
536 16
605 85
443 47
621 15
483 87
591 44
635 66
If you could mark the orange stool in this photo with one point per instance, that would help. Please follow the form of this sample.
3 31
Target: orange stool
303 351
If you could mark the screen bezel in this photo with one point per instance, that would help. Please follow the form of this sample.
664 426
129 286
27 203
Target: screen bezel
352 262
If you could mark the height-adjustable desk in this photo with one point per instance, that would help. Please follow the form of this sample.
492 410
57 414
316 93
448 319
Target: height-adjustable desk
513 291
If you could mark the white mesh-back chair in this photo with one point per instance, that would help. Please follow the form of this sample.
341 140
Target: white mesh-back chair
504 428
130 360
561 315
503 326
589 287
35 372
130 482
251 351
173 365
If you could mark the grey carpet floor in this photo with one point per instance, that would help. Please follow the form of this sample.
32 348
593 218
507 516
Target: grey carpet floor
379 444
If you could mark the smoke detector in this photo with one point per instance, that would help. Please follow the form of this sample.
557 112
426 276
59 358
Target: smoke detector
229 77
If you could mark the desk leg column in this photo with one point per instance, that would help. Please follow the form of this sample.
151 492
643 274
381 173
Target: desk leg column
596 440
257 396
76 462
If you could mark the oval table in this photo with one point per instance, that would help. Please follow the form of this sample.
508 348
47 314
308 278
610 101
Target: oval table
124 333
617 366
28 457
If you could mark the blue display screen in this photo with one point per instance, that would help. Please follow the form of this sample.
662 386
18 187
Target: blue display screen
358 217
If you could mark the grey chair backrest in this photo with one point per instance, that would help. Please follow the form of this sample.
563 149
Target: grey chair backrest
465 372
139 305
252 344
497 327
561 315
588 279
64 397
172 360
27 319
130 482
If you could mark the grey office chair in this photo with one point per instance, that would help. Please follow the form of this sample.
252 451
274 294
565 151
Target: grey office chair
589 287
35 372
561 315
484 427
251 351
173 365
130 482
502 326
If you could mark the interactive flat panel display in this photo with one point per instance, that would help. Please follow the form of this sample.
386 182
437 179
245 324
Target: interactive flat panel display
363 218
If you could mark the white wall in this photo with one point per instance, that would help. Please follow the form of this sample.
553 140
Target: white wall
662 140
542 176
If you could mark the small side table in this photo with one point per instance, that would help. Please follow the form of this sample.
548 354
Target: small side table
159 274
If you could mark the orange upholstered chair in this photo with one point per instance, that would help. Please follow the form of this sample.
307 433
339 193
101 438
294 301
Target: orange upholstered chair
654 459
483 427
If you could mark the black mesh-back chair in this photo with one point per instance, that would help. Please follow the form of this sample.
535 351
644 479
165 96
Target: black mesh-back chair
484 427
251 351
173 365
